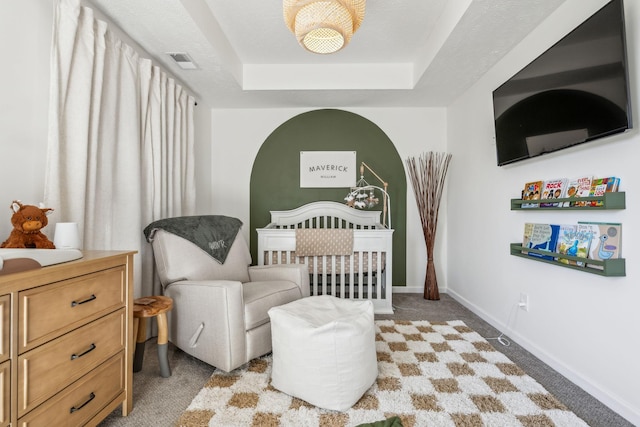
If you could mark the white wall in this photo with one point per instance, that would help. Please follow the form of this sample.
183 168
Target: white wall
25 38
582 324
235 145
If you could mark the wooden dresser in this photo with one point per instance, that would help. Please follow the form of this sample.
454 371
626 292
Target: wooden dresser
67 341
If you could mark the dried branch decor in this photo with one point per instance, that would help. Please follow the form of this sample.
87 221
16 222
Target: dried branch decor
427 175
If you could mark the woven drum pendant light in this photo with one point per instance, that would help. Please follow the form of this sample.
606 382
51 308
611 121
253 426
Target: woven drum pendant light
323 26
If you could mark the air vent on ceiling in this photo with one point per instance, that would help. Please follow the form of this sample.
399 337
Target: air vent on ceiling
183 60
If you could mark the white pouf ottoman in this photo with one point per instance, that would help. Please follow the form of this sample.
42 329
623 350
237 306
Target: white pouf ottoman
324 350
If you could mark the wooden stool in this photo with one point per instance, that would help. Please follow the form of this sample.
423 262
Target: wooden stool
153 306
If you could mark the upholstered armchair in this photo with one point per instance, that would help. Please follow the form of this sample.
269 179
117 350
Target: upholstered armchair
220 310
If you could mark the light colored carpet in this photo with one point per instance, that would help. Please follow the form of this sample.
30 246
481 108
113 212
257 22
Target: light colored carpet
159 402
429 373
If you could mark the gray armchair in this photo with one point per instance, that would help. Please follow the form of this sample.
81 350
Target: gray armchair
220 310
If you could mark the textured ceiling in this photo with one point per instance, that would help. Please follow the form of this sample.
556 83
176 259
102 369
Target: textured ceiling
407 53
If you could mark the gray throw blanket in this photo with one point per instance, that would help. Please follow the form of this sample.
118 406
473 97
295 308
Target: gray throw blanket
214 234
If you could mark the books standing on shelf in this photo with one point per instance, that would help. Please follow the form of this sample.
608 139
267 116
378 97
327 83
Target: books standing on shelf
553 189
613 184
577 187
590 240
574 240
573 189
606 243
599 186
532 191
543 237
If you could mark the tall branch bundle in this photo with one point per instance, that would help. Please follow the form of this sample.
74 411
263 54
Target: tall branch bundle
427 175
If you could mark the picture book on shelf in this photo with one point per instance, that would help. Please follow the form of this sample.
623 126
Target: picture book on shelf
553 189
599 186
543 237
576 188
606 243
532 191
616 184
574 240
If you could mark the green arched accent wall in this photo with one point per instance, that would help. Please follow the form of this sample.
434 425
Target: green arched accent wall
275 177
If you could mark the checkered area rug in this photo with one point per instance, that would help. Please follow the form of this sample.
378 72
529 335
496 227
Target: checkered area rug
429 374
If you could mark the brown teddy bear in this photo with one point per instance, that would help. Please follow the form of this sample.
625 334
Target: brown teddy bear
27 222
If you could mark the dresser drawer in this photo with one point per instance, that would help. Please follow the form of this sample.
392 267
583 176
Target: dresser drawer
49 311
5 394
80 402
5 327
44 371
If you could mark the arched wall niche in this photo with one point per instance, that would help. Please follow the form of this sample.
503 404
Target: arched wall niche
275 177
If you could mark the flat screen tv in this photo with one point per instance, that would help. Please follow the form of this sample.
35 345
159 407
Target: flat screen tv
577 91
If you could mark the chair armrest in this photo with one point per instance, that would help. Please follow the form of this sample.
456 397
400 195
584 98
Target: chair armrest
296 273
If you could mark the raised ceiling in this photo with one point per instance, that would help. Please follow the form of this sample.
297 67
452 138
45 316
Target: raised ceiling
407 53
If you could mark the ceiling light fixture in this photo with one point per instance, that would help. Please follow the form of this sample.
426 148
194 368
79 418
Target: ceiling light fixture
323 26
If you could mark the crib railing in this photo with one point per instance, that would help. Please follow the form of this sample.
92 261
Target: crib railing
357 276
364 274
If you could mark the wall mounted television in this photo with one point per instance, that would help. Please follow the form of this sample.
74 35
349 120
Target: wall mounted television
576 91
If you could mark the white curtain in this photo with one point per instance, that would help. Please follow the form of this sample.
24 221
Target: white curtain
120 151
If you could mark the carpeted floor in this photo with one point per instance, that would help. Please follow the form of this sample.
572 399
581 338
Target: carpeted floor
429 373
160 401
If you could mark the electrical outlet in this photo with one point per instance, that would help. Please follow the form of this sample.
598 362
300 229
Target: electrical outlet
524 302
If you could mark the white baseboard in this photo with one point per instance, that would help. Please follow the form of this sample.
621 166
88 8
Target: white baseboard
621 406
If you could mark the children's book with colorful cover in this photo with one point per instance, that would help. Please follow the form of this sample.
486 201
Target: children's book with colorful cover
578 187
616 185
532 191
574 240
566 236
540 236
599 186
612 184
553 189
570 192
606 243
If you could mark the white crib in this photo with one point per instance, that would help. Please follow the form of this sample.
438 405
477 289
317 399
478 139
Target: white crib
365 273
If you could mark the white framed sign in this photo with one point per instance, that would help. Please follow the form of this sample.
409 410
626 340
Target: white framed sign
327 169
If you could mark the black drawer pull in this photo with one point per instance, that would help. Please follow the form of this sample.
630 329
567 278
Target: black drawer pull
91 298
91 348
77 408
